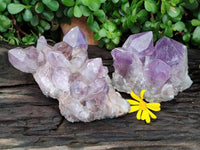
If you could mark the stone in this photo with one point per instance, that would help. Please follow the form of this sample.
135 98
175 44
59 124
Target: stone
161 70
64 72
136 44
76 38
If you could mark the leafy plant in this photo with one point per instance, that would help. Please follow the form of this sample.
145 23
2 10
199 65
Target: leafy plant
21 22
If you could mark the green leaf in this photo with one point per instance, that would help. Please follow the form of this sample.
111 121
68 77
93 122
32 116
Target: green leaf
101 43
110 46
70 12
78 2
102 1
45 25
59 13
7 1
117 21
186 37
48 15
34 21
68 3
173 11
29 39
109 26
142 16
26 1
19 18
165 18
195 35
163 8
46 1
33 2
168 32
77 12
94 26
179 26
27 15
39 8
53 5
12 42
195 22
15 8
106 40
191 6
115 1
135 29
40 29
5 23
102 32
125 7
116 14
100 15
85 2
116 40
97 36
198 15
2 5
85 10
94 5
151 6
90 19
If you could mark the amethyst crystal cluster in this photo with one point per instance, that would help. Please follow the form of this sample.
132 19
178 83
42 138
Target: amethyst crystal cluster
64 72
161 70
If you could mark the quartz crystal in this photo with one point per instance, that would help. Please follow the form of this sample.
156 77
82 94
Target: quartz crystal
162 70
64 72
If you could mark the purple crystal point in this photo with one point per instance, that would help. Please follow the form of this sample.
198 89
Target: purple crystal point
122 61
162 70
169 51
64 72
156 74
76 38
135 43
24 60
41 43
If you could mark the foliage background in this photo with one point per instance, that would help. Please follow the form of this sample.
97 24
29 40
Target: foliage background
21 22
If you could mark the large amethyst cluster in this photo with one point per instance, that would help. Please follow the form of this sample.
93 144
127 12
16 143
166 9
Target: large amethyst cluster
64 72
162 70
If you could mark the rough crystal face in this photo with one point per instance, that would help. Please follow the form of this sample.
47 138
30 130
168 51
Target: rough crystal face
161 70
141 44
64 72
76 38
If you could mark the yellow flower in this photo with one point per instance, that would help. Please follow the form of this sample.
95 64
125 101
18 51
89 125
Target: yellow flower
142 107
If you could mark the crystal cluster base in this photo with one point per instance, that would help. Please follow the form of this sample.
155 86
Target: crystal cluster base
162 70
64 72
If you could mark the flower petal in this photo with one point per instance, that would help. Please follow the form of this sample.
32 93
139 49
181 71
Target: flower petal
134 96
142 94
132 102
145 116
148 119
134 108
154 106
139 114
152 115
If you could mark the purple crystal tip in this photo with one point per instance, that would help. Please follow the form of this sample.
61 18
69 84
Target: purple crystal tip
76 38
161 70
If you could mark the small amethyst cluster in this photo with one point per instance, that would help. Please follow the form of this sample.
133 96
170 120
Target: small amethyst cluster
64 72
162 70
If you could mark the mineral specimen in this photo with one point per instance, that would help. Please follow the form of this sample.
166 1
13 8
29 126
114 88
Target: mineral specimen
64 72
161 70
